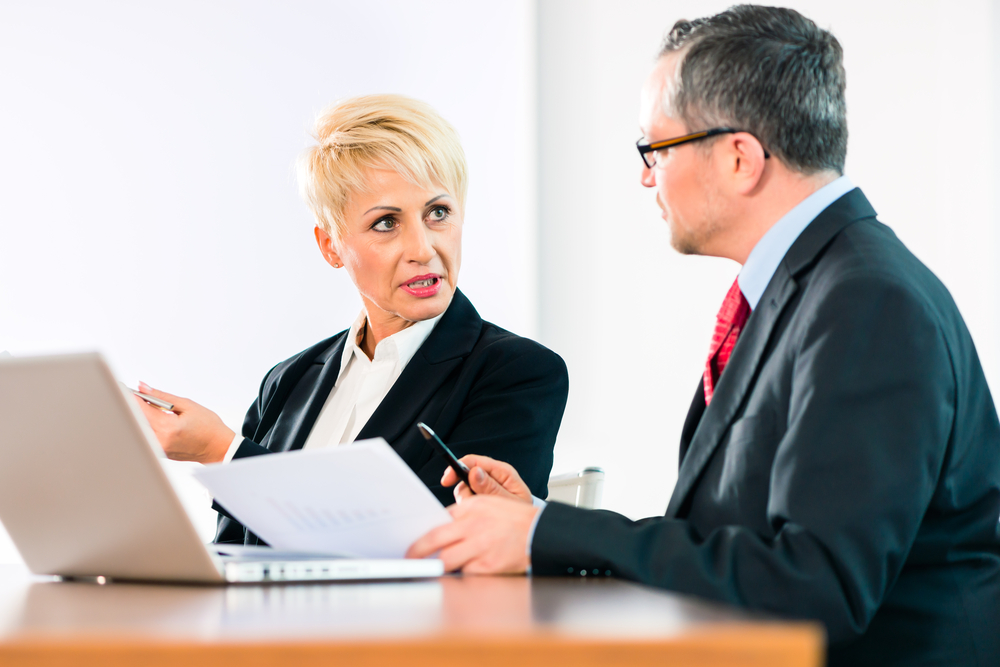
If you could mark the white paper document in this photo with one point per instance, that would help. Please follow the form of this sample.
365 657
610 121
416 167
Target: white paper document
359 499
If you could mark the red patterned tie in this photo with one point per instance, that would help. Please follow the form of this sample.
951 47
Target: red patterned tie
728 324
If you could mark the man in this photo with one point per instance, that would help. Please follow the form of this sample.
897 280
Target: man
841 457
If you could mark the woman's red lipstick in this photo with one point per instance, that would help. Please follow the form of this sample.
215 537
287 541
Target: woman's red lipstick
423 286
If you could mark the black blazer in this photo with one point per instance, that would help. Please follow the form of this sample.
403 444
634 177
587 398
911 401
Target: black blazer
482 389
847 469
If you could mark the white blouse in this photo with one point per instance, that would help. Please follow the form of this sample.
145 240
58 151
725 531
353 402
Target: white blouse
361 384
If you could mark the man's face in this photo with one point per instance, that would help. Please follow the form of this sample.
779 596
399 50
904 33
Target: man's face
682 176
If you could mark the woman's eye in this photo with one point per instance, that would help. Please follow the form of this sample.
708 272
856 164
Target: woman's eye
385 225
439 213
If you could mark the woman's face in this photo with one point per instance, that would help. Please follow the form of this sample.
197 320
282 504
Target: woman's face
402 248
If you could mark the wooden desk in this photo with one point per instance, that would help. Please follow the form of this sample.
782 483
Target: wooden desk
461 621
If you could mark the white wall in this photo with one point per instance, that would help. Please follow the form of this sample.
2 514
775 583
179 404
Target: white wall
148 206
631 317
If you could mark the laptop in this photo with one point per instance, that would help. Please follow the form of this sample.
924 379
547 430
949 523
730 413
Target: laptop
83 493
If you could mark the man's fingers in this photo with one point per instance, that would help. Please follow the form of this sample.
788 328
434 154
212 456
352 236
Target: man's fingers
441 537
456 556
433 541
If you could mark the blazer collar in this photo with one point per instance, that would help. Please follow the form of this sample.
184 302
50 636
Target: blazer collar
850 208
455 335
452 340
749 350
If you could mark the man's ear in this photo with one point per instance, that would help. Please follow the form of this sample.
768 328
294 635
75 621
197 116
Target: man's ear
325 243
747 161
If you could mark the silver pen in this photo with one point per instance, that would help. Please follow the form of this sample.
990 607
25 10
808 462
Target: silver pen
152 400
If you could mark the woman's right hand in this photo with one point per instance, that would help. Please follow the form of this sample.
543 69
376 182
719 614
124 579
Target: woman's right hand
488 477
191 432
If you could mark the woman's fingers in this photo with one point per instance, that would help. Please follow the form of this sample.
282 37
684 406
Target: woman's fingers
484 484
153 415
190 432
500 473
156 393
461 492
484 462
450 477
498 470
488 477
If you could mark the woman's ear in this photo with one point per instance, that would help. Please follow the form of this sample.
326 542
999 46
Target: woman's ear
325 243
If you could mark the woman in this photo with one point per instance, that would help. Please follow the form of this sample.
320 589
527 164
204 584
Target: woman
387 184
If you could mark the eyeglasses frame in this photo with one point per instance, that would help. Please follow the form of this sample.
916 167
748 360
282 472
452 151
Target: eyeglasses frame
677 141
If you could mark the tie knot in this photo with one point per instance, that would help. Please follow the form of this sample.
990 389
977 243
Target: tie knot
735 307
728 324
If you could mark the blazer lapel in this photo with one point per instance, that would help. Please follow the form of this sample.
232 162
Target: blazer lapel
293 424
451 341
748 353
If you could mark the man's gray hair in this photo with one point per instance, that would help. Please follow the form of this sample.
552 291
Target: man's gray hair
769 71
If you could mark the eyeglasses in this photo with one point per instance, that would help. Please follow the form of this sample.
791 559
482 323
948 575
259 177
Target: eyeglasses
648 151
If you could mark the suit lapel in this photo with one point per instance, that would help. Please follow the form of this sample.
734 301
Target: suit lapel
747 356
733 385
451 341
692 420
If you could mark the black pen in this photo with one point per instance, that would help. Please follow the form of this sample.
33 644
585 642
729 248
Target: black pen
460 468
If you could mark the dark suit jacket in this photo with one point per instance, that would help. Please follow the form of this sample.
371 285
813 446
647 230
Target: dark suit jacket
847 469
482 389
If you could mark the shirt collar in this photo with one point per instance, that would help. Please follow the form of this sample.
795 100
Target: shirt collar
399 347
770 250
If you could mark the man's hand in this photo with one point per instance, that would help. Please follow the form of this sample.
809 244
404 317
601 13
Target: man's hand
191 432
489 535
488 477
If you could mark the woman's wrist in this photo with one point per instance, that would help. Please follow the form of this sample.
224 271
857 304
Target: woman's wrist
219 446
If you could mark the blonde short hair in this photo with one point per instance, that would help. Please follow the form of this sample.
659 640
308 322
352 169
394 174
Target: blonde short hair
377 132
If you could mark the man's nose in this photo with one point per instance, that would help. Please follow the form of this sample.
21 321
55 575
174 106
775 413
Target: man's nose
646 177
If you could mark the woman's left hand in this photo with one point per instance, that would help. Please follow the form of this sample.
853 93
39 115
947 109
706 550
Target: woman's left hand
191 432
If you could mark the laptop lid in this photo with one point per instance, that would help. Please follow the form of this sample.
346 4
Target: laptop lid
81 490
83 494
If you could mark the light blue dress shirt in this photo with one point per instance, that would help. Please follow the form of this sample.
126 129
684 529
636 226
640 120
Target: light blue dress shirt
763 261
770 250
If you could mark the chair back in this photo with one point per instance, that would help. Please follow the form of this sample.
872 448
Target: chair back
580 489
